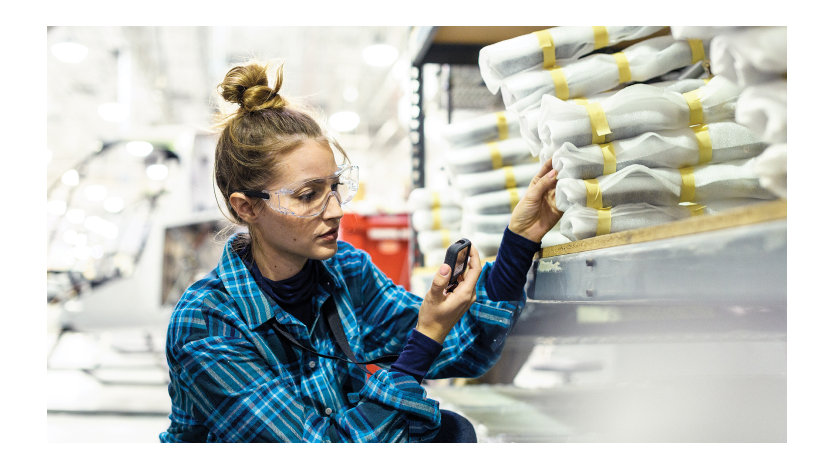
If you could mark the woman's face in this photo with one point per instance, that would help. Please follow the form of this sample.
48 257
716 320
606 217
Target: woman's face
289 239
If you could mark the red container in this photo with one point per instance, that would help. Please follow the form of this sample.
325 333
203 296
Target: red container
385 238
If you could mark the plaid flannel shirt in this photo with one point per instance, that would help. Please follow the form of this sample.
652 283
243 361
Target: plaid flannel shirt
232 379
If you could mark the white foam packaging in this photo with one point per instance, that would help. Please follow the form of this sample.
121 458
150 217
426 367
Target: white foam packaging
662 187
495 180
772 168
764 109
751 56
427 198
478 158
632 111
676 148
597 73
495 202
448 217
509 57
481 129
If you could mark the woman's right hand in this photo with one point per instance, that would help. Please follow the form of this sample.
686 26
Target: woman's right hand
440 310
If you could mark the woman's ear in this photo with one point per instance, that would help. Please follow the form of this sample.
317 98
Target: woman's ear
244 207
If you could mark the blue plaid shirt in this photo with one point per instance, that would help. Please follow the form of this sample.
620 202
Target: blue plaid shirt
233 380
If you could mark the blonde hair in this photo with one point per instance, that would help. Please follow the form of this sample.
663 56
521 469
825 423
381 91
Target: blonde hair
264 127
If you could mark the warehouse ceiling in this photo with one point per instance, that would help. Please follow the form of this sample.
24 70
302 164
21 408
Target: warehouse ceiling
158 84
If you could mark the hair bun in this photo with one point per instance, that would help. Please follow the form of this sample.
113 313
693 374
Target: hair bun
247 86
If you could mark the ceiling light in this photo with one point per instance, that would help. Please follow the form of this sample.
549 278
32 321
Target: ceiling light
70 178
112 112
380 55
344 121
114 204
157 171
95 192
139 148
69 52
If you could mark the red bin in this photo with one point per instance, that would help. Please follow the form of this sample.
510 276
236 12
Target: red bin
385 237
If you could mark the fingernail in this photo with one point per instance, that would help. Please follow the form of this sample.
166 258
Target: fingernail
444 269
551 174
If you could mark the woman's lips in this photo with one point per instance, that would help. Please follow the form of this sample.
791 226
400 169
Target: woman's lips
331 235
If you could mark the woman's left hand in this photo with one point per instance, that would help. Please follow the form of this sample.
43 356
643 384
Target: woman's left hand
536 212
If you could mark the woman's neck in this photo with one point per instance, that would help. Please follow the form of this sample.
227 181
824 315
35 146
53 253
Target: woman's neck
276 266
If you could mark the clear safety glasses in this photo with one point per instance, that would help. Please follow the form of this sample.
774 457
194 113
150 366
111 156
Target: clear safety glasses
308 199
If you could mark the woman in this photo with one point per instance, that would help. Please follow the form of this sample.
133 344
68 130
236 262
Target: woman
249 348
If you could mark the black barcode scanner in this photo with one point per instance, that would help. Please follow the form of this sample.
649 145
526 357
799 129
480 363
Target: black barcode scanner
457 256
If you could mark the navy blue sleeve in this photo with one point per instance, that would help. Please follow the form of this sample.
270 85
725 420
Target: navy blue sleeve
509 272
417 356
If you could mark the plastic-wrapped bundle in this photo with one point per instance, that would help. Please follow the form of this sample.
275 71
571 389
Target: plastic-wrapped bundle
482 129
489 223
495 180
427 199
601 72
429 240
496 202
543 49
435 219
764 108
702 32
751 56
488 243
676 148
580 222
529 118
772 168
663 187
632 111
489 156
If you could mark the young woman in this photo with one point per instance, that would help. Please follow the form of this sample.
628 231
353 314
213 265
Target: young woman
251 352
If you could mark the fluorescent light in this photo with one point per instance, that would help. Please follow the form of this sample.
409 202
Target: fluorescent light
69 52
70 178
157 171
95 192
114 204
344 121
139 148
380 55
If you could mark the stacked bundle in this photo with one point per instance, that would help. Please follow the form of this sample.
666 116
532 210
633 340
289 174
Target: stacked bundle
756 59
435 216
647 153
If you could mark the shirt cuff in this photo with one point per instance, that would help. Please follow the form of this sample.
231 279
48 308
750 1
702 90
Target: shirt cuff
417 356
509 272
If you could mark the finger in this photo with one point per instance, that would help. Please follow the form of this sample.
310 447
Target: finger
440 280
543 185
545 168
470 277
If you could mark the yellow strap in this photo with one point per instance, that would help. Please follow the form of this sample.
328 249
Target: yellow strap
437 224
599 123
513 198
580 101
495 155
603 221
696 109
622 67
687 185
435 200
593 196
696 209
447 239
509 177
503 130
697 47
560 84
600 37
704 144
609 159
548 49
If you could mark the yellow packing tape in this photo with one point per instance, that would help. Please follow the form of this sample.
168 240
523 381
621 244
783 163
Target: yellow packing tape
548 49
622 67
599 123
560 84
593 197
435 200
687 185
509 178
495 155
609 159
503 130
447 238
697 47
696 109
513 198
437 224
704 144
696 209
600 37
603 221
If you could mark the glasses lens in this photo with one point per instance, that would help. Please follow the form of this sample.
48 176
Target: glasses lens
309 200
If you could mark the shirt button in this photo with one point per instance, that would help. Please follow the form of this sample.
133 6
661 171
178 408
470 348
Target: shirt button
327 411
312 364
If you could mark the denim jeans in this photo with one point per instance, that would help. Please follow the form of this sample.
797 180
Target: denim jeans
455 428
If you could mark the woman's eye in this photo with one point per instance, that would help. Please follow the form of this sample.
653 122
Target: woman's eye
308 196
